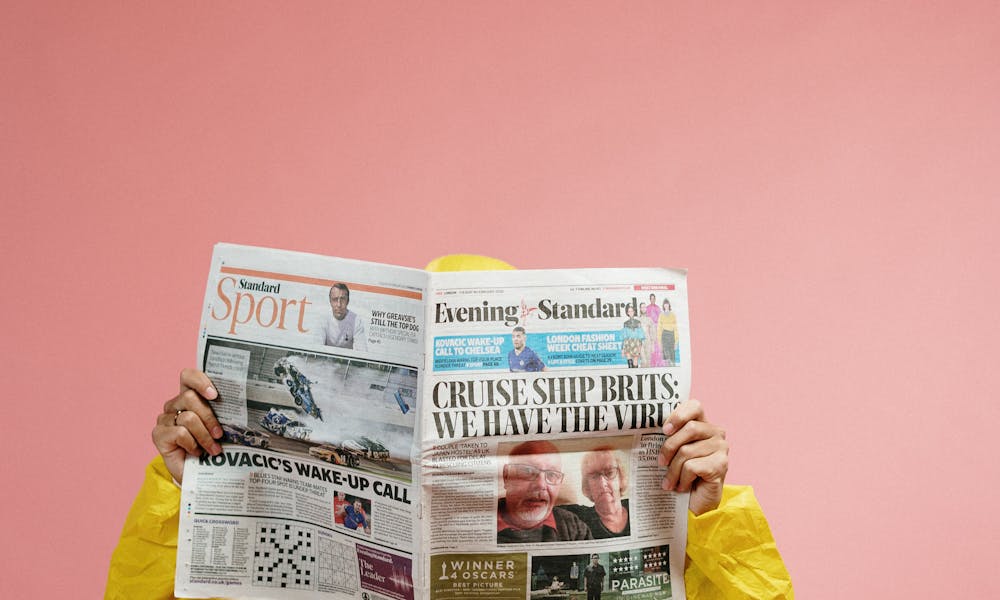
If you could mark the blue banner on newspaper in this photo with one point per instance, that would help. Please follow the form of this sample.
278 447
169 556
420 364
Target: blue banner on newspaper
528 353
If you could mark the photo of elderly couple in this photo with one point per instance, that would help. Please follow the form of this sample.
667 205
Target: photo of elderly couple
552 494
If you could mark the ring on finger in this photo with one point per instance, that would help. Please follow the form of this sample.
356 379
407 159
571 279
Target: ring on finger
177 415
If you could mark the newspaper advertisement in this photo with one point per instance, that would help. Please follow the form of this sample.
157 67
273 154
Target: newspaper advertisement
489 435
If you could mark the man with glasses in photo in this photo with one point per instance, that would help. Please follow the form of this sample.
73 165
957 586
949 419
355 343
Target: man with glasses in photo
532 478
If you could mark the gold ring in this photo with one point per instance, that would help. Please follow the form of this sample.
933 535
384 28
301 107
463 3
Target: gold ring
177 415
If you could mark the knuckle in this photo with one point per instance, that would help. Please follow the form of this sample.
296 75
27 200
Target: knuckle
709 471
163 438
714 469
721 467
186 418
685 452
192 401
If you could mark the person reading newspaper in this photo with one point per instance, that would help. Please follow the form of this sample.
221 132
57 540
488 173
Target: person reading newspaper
730 550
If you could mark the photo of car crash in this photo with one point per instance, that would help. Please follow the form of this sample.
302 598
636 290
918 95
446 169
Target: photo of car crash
298 386
234 434
345 411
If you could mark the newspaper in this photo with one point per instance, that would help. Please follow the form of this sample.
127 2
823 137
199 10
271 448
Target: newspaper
398 434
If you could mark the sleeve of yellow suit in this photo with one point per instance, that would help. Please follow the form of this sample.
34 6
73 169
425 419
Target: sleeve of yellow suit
142 565
731 553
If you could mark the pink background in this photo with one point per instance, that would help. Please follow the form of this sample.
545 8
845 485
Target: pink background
827 172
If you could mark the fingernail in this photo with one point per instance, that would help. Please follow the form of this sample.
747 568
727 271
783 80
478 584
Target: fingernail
668 428
666 486
661 460
210 392
215 450
216 432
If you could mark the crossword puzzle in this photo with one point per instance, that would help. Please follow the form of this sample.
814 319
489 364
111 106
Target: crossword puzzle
338 569
284 555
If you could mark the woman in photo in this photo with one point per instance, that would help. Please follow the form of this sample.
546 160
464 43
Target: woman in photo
651 355
604 481
667 333
633 336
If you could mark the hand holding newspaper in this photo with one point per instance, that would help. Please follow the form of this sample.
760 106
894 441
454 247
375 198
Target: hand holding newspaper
393 433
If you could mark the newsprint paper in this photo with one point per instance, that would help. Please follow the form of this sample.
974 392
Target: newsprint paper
398 434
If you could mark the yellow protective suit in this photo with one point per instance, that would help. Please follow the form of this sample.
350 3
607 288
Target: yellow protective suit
730 551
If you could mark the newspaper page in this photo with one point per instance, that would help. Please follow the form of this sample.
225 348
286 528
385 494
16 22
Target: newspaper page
317 362
545 394
394 434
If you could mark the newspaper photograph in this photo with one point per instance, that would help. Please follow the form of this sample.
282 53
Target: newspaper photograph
346 411
393 433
